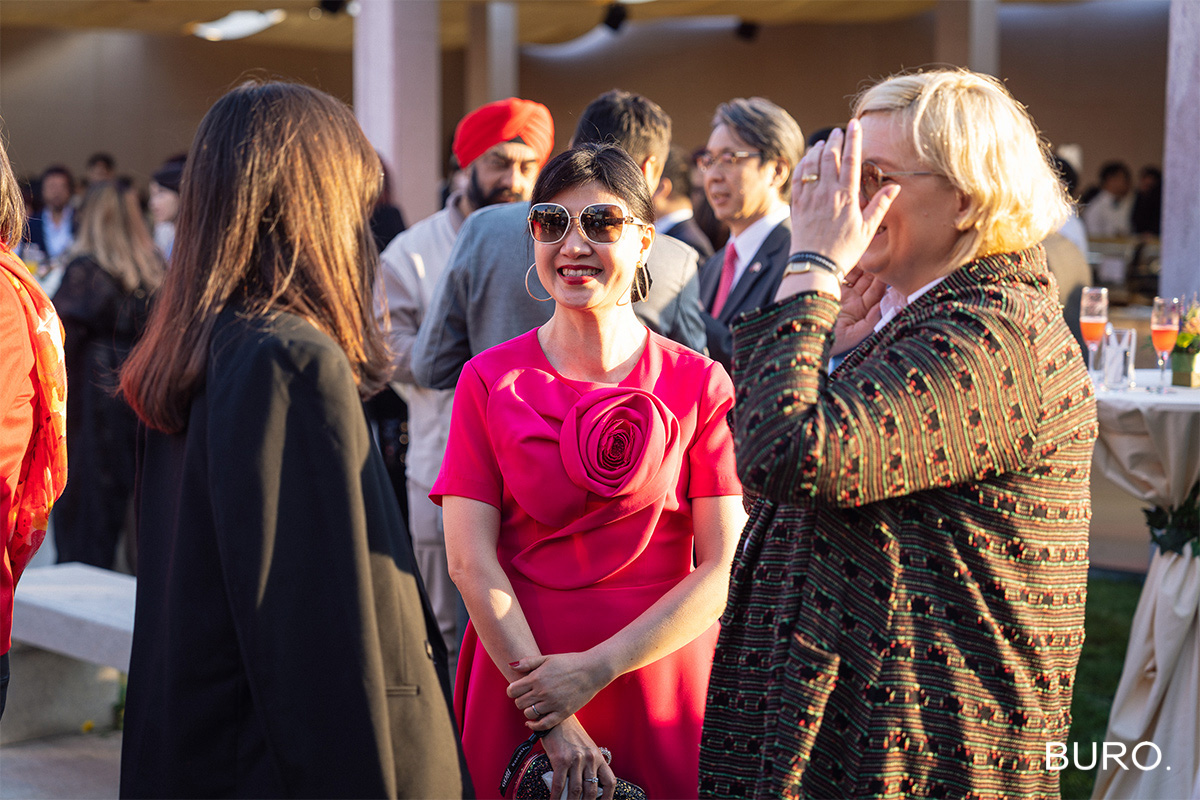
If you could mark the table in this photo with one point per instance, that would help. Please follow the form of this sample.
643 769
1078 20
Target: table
1149 445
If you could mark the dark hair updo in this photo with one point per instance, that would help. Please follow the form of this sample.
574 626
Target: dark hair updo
605 164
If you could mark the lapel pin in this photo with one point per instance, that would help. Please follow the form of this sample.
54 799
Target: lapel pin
756 266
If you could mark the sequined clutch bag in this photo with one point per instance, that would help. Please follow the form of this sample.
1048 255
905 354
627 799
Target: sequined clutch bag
532 776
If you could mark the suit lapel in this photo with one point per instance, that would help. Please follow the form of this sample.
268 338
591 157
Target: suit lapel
710 276
765 265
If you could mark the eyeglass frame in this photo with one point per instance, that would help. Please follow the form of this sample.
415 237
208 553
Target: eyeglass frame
578 220
862 178
726 158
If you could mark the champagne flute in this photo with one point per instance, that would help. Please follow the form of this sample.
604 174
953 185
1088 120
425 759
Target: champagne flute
1093 316
1164 328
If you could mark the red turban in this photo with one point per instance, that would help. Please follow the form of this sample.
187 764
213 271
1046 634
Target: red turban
508 120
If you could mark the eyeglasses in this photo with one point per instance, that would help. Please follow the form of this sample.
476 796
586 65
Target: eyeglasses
601 223
726 158
873 177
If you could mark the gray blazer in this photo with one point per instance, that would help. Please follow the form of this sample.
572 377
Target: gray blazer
481 300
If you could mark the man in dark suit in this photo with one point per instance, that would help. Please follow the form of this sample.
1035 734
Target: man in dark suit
673 204
747 168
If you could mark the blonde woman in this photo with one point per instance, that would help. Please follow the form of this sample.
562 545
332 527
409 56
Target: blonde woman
906 615
112 269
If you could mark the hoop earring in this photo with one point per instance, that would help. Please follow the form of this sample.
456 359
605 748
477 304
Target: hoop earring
637 291
528 292
641 284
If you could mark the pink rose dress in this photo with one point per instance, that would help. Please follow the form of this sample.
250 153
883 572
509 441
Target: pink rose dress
594 484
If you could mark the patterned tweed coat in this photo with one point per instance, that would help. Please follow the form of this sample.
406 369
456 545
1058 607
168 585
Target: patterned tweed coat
906 613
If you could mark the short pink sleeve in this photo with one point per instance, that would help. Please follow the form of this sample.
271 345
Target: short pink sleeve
469 468
710 459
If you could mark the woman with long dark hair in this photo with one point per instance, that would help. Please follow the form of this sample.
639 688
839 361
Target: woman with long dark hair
112 270
282 645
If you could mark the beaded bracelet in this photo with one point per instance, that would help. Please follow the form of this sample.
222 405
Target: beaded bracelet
817 260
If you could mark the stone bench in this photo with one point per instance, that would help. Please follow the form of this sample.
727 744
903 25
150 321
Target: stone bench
72 634
76 610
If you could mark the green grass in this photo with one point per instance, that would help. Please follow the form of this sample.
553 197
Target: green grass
1111 602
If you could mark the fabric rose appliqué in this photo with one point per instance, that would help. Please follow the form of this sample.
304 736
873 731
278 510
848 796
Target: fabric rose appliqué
579 463
617 441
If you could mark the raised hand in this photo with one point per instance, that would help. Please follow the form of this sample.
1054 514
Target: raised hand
827 217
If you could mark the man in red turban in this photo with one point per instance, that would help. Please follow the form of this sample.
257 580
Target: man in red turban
502 146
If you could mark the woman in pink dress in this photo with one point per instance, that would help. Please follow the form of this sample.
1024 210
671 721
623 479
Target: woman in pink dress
591 510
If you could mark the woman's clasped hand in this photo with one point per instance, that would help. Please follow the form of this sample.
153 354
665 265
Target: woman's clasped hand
558 685
578 761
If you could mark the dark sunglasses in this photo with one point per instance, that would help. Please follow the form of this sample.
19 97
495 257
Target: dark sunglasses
873 177
601 223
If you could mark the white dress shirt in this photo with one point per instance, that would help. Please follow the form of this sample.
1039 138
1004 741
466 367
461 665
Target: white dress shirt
894 302
749 240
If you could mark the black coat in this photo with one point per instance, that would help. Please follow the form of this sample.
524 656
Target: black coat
100 320
283 645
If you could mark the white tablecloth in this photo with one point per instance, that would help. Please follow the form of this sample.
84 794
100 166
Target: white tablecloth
1149 445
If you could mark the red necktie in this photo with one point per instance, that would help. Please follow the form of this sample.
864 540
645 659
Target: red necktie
727 270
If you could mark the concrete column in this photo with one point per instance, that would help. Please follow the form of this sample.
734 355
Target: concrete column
492 54
985 37
967 34
1181 155
398 95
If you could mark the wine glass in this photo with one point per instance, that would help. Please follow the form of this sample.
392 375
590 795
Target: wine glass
1164 328
1093 316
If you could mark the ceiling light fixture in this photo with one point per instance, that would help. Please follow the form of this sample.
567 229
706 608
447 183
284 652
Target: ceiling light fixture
614 18
237 25
747 31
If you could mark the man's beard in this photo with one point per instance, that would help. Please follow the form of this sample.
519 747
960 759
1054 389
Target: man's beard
497 196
